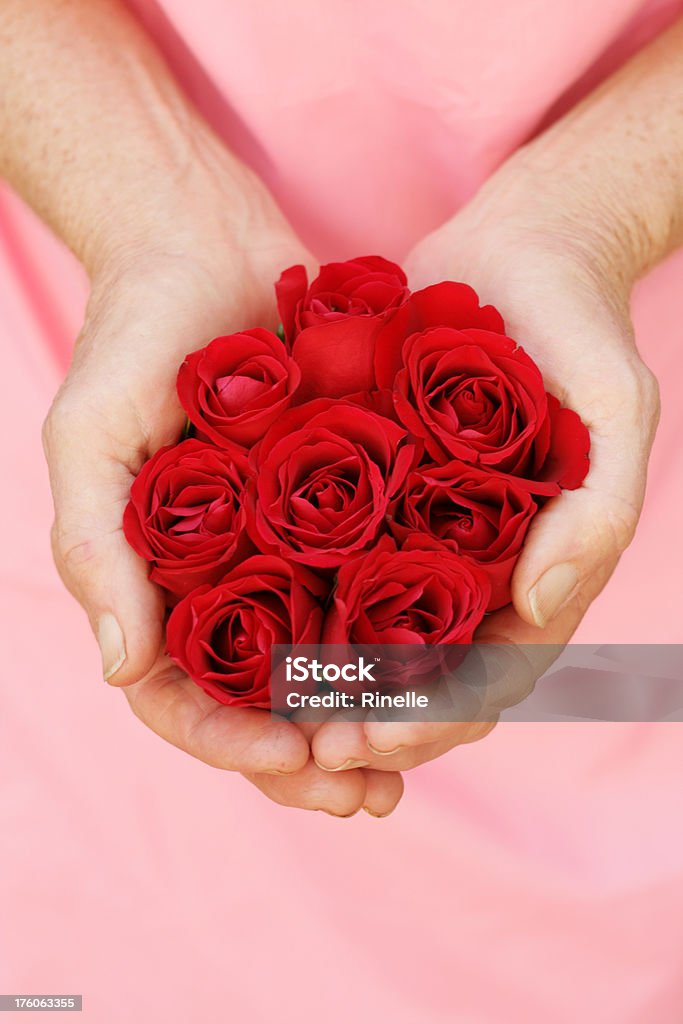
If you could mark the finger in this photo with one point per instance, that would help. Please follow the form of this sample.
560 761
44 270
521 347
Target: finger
232 738
90 490
412 748
341 746
312 789
383 789
383 792
500 671
338 745
575 542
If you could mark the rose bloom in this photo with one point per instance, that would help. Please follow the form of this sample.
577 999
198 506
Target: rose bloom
422 593
186 515
334 323
484 517
237 386
476 396
222 636
324 477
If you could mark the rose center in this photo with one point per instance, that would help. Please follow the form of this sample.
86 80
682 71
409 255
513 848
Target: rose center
199 513
237 390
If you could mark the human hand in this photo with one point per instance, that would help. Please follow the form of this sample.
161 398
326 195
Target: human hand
210 273
555 239
562 281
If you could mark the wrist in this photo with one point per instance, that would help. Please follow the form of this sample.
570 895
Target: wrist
609 170
532 202
603 209
202 200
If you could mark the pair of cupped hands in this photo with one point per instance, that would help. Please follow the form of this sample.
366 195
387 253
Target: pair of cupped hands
205 266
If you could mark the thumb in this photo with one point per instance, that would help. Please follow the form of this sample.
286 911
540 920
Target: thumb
575 542
90 490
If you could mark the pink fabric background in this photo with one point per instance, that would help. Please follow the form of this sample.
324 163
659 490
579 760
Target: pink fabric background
537 876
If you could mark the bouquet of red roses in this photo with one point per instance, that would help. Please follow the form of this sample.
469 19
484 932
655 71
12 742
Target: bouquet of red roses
366 476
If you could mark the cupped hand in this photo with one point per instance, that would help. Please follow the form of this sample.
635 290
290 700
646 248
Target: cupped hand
198 274
562 282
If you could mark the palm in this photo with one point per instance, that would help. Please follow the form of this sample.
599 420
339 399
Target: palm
576 326
122 393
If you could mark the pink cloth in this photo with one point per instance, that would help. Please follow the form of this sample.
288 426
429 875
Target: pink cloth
537 876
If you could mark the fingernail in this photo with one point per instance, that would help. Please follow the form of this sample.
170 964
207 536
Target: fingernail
344 767
333 815
382 753
552 591
374 814
112 646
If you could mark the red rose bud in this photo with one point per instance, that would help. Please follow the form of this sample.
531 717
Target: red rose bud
334 323
222 636
186 515
478 397
236 387
482 516
326 473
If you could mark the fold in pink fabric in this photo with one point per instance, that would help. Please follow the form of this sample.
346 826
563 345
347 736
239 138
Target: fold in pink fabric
537 876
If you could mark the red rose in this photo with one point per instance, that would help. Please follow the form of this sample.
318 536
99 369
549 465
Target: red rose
186 515
222 636
448 304
482 516
422 593
334 324
235 387
325 475
476 396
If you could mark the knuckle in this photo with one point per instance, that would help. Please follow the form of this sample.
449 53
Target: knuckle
637 386
472 732
480 730
63 422
46 434
612 528
620 521
77 553
50 431
639 393
650 396
73 554
631 399
524 687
